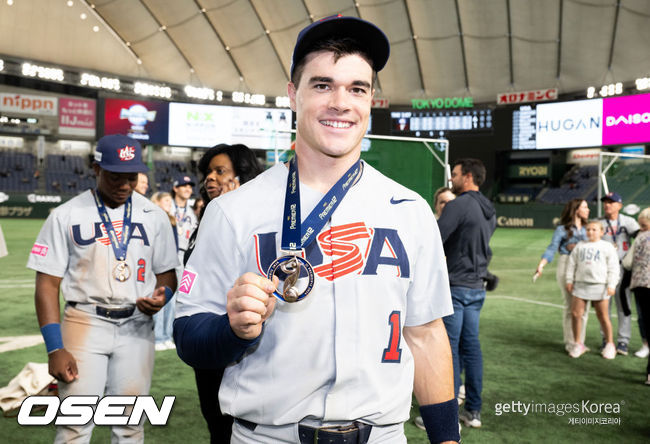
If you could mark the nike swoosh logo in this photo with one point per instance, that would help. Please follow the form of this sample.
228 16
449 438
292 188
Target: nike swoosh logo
147 211
399 201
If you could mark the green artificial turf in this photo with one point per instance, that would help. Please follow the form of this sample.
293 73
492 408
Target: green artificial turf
521 337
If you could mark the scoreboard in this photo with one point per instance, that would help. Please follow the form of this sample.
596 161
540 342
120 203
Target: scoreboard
440 123
524 128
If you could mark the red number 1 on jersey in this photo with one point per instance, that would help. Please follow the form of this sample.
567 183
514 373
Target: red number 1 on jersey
393 353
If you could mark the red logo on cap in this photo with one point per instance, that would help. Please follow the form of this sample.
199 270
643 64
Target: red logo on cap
127 153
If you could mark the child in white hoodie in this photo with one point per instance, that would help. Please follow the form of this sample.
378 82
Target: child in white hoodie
592 274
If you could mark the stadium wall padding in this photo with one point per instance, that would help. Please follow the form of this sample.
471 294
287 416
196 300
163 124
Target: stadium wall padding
408 163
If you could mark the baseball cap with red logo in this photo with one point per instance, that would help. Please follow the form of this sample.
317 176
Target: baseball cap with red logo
183 179
613 196
120 154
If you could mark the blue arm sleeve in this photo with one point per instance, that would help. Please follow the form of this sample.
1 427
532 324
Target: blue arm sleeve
205 340
553 247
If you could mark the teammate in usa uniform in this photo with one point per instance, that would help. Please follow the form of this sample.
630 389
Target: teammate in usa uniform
186 220
619 230
112 254
366 329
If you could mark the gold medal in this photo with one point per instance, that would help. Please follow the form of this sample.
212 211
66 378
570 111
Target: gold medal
121 271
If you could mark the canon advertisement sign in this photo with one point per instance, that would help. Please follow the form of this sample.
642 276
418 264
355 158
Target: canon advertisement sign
592 123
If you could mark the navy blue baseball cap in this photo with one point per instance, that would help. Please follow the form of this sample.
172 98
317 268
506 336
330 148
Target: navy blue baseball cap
183 179
613 196
120 154
372 39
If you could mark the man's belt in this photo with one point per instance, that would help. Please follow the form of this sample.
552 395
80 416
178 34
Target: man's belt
109 312
355 433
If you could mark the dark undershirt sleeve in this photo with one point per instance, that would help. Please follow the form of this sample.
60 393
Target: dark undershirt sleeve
205 340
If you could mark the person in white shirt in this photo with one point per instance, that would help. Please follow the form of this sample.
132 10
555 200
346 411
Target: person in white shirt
111 253
592 275
186 220
334 353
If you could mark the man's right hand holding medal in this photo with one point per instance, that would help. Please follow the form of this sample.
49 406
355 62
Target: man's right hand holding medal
250 303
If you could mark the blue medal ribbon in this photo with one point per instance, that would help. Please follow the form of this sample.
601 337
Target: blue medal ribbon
296 235
119 248
614 232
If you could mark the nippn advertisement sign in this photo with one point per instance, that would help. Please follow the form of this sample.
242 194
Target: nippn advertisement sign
627 119
28 104
570 124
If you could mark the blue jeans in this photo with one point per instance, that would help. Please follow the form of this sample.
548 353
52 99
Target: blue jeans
163 322
462 329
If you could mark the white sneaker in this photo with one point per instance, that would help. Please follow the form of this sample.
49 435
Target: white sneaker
643 352
471 419
609 352
160 346
170 344
579 349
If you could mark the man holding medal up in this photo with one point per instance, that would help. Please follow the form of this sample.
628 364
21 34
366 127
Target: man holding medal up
112 254
304 280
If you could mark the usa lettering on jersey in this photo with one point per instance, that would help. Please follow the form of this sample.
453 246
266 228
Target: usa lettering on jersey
97 233
354 248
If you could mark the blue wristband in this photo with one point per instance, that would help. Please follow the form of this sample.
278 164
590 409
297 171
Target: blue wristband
169 294
441 421
52 336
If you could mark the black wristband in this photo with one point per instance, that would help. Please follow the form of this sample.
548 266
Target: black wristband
441 421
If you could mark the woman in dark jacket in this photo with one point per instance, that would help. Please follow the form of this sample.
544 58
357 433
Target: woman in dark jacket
223 169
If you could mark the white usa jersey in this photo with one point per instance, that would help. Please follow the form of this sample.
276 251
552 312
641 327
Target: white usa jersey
186 223
620 232
73 245
338 354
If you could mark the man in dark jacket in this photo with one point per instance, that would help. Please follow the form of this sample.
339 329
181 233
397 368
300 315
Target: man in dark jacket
466 226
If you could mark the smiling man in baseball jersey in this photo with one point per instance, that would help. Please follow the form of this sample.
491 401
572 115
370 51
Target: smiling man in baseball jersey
112 254
360 254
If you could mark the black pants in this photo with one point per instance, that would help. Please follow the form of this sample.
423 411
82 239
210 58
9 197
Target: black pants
642 295
207 384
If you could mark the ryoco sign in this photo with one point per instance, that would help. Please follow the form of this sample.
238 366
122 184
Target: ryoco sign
443 103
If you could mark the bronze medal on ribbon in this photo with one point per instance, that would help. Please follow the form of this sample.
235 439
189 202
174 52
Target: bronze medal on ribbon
298 234
121 271
291 265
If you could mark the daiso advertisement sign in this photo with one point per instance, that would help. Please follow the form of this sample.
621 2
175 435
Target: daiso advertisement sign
626 119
